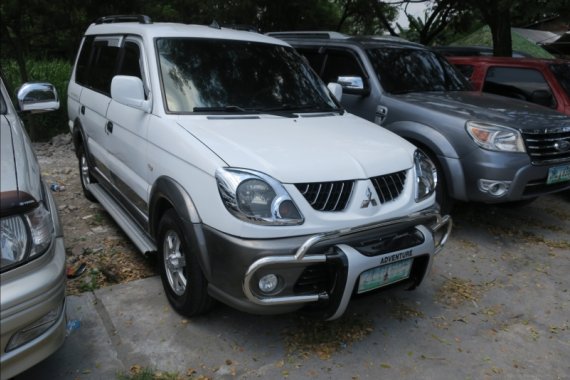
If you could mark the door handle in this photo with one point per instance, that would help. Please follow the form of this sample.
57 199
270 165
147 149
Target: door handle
83 110
109 127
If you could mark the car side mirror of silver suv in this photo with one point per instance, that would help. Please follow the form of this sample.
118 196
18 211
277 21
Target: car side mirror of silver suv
37 97
129 90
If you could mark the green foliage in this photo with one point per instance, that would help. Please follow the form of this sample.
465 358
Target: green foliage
483 37
43 126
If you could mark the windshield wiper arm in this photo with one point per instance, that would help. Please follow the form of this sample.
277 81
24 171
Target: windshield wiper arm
302 108
229 108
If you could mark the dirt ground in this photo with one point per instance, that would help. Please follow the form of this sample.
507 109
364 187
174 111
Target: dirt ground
91 236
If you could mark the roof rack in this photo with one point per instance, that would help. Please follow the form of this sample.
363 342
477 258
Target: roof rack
304 34
141 19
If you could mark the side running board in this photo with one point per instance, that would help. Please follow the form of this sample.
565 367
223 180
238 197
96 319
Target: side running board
133 231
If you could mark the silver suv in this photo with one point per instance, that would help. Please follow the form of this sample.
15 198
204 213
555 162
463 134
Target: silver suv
32 263
487 148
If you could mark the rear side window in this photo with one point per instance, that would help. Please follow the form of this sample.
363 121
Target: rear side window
97 63
519 83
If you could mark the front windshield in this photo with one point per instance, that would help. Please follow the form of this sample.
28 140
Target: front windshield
562 73
200 75
401 70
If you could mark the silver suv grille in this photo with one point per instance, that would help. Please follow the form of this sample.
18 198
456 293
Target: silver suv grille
389 186
327 196
548 147
334 196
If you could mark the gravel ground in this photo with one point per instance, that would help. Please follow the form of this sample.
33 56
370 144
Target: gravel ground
91 236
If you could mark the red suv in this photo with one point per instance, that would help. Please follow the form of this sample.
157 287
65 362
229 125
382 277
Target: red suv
542 81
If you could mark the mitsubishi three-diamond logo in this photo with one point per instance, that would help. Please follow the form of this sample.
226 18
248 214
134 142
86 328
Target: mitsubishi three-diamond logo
369 200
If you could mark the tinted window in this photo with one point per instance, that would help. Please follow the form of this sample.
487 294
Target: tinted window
103 64
466 70
3 108
341 64
519 83
402 70
81 72
239 74
562 73
131 64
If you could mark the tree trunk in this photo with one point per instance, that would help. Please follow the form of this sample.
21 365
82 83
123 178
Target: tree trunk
502 40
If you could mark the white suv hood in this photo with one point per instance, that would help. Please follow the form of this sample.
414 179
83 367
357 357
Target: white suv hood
308 148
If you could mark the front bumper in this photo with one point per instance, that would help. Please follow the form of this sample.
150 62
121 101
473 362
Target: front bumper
525 180
320 272
33 293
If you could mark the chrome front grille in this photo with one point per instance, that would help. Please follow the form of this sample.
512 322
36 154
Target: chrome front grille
334 196
548 147
327 196
389 186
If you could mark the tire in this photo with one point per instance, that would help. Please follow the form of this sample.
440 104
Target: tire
182 278
85 173
442 197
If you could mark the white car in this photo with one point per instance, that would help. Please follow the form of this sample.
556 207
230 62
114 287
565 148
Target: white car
32 260
225 153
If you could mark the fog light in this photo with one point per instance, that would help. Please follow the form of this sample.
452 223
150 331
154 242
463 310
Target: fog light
494 188
34 329
268 283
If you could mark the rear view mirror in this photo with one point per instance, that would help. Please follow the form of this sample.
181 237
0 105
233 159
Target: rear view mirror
336 90
129 90
37 97
353 85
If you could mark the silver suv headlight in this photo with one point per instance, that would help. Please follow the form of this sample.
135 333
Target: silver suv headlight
426 176
495 137
25 236
256 198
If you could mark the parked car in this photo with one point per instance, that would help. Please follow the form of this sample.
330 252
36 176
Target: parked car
541 81
487 148
32 262
224 152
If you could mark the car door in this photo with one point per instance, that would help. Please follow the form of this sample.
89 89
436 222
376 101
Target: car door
127 135
103 54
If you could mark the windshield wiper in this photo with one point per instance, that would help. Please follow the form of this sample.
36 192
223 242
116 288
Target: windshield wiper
301 108
229 108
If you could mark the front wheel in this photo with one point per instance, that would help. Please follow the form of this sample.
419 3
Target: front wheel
182 278
85 173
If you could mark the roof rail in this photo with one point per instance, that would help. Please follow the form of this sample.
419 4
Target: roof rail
307 34
141 19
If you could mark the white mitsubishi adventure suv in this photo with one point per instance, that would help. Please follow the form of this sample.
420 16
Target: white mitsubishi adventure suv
224 152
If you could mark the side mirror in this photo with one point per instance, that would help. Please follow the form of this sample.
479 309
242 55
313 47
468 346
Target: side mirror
129 90
353 85
336 90
37 97
542 97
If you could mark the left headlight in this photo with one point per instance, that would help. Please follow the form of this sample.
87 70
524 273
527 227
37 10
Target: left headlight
23 237
426 176
256 198
495 137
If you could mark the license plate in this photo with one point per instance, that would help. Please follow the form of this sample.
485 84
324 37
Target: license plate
386 274
558 174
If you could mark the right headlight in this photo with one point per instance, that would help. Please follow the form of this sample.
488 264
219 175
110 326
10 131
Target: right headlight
426 176
256 198
495 137
26 236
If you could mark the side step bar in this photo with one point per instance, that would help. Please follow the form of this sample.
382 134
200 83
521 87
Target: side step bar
134 232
